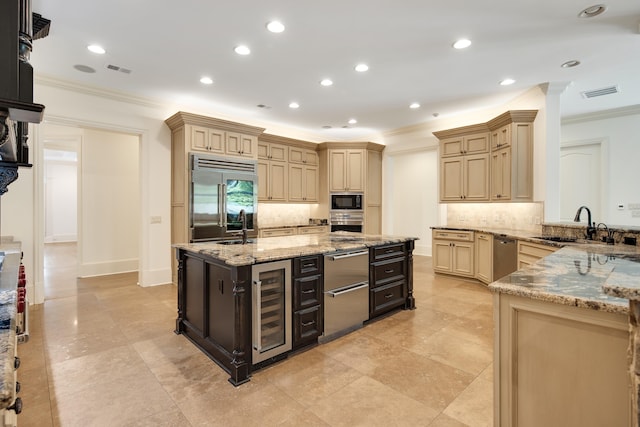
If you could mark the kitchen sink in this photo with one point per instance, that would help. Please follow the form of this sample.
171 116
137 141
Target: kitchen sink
233 242
557 238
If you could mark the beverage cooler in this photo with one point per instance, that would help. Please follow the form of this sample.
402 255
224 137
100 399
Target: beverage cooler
271 320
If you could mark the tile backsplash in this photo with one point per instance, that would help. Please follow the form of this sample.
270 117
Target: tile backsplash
281 214
510 216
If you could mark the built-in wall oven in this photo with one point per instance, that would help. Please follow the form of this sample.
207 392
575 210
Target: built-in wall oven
220 188
271 320
347 212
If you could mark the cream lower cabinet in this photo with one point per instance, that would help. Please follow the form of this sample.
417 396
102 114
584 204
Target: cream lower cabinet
484 257
464 178
303 183
529 253
272 181
558 365
453 252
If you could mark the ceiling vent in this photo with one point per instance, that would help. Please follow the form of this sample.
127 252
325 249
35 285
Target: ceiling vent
600 92
117 68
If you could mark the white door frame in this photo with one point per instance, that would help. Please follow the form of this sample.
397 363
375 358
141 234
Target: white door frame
38 229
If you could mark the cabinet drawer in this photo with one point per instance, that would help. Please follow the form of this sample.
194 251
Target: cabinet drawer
387 271
389 251
307 265
307 325
387 297
534 250
307 291
313 230
277 232
466 236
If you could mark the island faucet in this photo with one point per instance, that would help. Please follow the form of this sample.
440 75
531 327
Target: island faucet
591 229
242 217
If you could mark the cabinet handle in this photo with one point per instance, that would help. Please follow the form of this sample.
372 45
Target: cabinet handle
309 291
389 271
308 323
387 296
221 286
307 265
388 251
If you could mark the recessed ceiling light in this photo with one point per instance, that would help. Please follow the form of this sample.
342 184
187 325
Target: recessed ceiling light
326 82
275 26
361 68
206 80
414 105
592 11
462 44
263 106
326 127
294 105
242 50
84 68
96 49
570 64
507 82
352 121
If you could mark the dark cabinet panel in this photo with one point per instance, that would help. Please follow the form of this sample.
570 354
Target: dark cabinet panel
308 299
221 308
389 271
307 265
387 297
388 251
307 325
307 291
194 290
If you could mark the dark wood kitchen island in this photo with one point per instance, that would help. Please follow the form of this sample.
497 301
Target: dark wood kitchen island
216 302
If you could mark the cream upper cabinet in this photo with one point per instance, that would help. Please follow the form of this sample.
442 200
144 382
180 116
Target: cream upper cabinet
484 257
206 139
303 183
302 155
272 181
514 178
346 170
467 168
271 151
464 178
241 145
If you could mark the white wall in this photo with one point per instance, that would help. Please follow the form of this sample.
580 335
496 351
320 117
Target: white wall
412 195
61 200
622 136
110 203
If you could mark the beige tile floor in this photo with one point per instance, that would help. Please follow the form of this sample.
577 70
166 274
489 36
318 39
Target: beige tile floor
103 353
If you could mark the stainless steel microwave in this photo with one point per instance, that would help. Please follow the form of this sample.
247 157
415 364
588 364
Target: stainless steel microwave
347 201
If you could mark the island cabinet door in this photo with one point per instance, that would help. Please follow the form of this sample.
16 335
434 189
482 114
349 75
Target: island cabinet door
195 309
220 304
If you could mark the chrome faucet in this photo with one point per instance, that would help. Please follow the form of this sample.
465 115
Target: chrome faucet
591 229
242 217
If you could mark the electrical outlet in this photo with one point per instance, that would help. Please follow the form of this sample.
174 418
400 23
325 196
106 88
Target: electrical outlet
635 213
156 220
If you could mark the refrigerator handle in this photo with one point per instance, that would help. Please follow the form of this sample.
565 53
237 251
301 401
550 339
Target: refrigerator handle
223 211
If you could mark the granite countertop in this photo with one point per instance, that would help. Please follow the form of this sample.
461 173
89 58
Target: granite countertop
584 273
274 227
276 248
577 275
8 296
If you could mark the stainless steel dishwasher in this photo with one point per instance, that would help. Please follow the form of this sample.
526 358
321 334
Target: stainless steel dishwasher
505 256
346 292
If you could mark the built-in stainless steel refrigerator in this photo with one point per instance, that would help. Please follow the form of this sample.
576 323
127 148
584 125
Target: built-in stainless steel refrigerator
220 188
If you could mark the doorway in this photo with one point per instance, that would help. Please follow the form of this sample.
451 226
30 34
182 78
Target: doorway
91 206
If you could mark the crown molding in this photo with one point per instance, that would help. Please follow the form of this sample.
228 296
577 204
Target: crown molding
182 118
511 116
96 91
277 139
601 115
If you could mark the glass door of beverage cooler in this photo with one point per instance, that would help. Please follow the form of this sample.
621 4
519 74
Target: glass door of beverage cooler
271 322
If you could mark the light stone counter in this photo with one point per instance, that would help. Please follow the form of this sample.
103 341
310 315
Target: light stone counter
8 296
276 248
